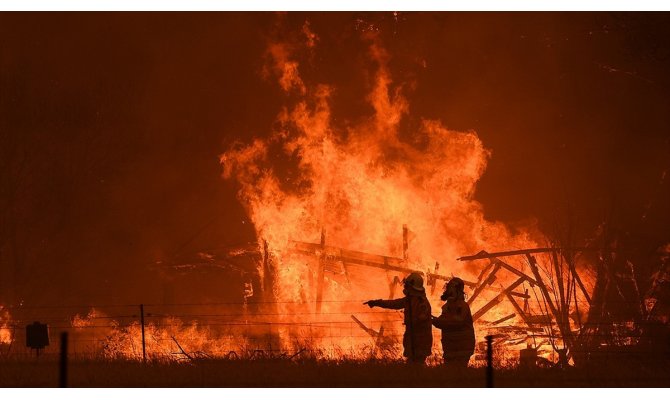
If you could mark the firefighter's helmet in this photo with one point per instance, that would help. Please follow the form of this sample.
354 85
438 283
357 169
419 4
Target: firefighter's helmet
455 288
414 281
455 284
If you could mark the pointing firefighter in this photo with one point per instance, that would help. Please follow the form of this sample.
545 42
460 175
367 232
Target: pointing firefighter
418 338
458 334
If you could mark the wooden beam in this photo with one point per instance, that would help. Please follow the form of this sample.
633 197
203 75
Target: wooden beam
518 309
483 254
522 295
367 330
491 256
503 319
517 272
579 283
496 300
483 283
446 278
352 257
484 271
432 281
320 274
405 243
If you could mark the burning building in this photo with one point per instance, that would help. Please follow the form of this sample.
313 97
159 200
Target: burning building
343 205
329 201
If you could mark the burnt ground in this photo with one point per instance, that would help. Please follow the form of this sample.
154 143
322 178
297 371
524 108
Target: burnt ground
309 373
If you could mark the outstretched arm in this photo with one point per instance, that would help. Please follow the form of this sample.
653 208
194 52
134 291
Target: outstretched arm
396 304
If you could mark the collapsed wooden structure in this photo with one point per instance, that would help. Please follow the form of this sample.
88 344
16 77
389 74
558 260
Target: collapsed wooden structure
338 260
554 287
556 297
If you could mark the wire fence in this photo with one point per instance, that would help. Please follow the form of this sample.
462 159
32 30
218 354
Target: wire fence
245 330
179 330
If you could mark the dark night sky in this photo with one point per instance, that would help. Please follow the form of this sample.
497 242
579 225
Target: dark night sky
118 121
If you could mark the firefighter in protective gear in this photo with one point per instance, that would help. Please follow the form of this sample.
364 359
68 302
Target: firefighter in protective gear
458 334
418 338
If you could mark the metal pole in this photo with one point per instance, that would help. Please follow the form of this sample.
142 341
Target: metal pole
144 349
62 376
489 361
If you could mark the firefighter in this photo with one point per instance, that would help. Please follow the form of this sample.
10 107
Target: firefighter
458 334
418 338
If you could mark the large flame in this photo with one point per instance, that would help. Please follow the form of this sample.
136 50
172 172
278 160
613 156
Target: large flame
360 183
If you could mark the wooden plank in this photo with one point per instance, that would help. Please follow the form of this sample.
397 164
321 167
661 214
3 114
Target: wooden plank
496 300
395 282
432 281
522 295
447 278
517 272
483 254
320 277
313 249
483 284
484 271
503 319
518 309
580 284
405 243
367 330
352 257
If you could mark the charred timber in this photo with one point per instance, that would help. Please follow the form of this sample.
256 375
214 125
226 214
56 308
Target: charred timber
352 257
483 254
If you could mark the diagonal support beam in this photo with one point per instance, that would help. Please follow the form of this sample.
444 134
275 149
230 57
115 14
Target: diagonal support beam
496 300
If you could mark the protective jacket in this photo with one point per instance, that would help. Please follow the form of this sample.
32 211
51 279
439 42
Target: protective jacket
458 334
418 338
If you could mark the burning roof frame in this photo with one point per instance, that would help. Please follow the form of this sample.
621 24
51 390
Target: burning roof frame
552 322
555 314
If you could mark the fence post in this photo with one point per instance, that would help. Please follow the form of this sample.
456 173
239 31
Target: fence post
144 349
489 361
62 376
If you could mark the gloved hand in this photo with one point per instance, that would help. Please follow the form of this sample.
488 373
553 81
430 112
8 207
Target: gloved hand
373 303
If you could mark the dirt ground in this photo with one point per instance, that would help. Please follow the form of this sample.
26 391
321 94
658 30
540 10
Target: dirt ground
310 373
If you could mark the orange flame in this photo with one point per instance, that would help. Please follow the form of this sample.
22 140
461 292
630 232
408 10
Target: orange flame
360 183
168 338
5 329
